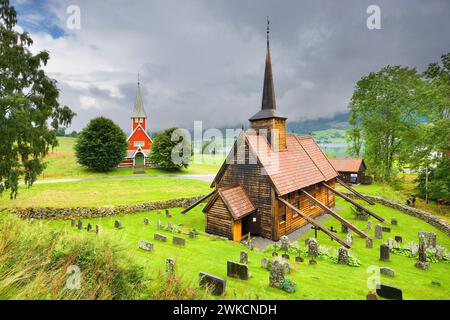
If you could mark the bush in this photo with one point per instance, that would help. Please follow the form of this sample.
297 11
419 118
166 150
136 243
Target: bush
165 144
289 286
101 145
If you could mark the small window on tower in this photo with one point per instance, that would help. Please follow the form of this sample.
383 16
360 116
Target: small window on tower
141 120
139 143
136 120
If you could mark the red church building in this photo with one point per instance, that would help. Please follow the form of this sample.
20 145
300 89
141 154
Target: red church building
139 142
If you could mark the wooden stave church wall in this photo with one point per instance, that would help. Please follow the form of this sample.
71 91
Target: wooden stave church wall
219 220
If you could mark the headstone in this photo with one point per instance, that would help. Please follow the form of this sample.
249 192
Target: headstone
389 292
439 253
384 253
158 225
117 224
371 296
312 261
344 228
349 238
390 243
179 241
145 245
398 239
386 229
160 237
414 248
313 247
170 226
80 225
286 267
89 227
378 231
276 276
284 243
431 240
216 284
343 256
422 261
387 271
369 225
146 221
192 234
31 221
274 254
72 223
264 263
369 243
170 266
243 257
97 229
285 256
394 222
298 259
168 215
237 270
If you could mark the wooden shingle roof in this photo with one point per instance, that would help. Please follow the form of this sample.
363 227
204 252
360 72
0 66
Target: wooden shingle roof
237 201
347 164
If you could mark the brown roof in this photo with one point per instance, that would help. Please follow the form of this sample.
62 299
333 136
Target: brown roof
302 164
347 164
237 201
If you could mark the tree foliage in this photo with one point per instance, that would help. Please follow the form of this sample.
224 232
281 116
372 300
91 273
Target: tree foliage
30 114
438 186
171 150
101 145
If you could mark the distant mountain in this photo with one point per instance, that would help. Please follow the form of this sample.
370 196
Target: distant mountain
339 121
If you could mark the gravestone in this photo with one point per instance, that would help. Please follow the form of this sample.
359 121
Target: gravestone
286 267
390 243
387 271
439 253
343 256
298 259
170 226
158 225
216 284
312 261
386 229
349 238
284 243
344 228
31 221
97 229
313 247
389 292
414 248
276 276
168 215
369 243
378 231
394 222
237 270
422 261
145 245
72 223
398 239
80 225
243 257
89 227
431 240
371 296
179 241
384 253
160 237
264 263
146 221
170 266
285 256
117 224
192 234
369 225
274 254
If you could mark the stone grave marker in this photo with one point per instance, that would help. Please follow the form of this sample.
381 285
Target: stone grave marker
89 227
384 253
387 271
394 222
299 259
31 221
274 254
72 223
414 248
344 228
378 231
237 270
398 239
386 229
170 226
431 240
97 229
284 243
390 243
369 225
439 253
371 296
178 241
160 237
349 238
389 292
285 256
168 215
192 234
286 267
117 224
243 257
422 261
343 256
145 245
264 263
369 243
313 247
216 284
80 225
146 221
276 276
170 266
158 225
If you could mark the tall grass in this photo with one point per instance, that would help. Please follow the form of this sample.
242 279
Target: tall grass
34 262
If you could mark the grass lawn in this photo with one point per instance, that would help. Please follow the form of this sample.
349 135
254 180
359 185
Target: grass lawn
105 192
62 163
325 280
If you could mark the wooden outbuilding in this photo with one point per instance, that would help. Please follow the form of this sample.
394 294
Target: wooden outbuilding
351 170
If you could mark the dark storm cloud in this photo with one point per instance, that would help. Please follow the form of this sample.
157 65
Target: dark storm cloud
204 60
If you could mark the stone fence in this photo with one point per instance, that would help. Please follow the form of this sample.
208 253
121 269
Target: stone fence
103 211
435 221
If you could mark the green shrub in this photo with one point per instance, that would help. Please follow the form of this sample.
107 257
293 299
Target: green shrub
289 286
164 145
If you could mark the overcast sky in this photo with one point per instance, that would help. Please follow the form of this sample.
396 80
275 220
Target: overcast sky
204 60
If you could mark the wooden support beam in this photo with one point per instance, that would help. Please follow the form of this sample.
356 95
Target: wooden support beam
198 202
334 214
356 204
345 185
315 223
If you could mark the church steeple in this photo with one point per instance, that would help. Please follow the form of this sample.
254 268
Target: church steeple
269 118
138 111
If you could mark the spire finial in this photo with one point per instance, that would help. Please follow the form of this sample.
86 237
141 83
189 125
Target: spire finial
139 82
268 30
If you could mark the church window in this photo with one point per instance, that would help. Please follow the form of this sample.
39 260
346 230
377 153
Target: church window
139 143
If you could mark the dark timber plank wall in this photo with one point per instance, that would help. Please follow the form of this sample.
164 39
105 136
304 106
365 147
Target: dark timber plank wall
219 220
